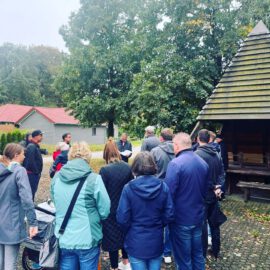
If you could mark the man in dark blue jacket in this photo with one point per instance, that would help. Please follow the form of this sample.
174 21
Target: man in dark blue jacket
187 177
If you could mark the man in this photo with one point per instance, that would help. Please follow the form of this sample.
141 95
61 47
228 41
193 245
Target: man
67 138
187 177
124 145
162 155
33 161
150 141
223 151
216 175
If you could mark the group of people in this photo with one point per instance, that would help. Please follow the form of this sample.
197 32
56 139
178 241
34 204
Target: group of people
159 206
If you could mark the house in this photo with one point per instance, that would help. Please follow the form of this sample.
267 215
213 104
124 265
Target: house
54 122
241 104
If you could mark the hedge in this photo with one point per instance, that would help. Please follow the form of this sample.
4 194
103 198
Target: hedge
14 136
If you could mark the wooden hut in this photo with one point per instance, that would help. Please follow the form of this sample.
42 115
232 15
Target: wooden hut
241 103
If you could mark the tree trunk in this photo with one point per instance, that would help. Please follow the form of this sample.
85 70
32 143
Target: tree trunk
110 129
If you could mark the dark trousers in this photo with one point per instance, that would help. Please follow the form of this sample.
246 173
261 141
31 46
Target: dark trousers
34 180
114 257
215 231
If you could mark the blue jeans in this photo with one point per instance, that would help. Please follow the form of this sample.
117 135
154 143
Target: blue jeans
151 264
187 247
167 243
83 259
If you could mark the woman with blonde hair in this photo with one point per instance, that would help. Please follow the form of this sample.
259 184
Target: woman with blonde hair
80 242
15 203
116 174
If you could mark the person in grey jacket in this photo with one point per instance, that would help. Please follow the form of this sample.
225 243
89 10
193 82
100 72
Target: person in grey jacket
150 141
15 203
162 155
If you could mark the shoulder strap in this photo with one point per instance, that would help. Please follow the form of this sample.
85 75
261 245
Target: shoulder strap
71 205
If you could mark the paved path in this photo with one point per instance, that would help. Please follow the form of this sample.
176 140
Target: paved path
95 155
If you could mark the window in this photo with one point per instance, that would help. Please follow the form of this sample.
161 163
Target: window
94 131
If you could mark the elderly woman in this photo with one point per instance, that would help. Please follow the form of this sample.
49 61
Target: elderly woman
145 208
116 174
15 203
80 243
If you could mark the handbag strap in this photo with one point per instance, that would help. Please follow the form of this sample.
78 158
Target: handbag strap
71 205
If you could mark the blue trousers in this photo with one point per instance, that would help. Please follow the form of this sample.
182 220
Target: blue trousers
187 247
83 259
150 264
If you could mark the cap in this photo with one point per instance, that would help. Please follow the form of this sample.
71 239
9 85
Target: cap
36 133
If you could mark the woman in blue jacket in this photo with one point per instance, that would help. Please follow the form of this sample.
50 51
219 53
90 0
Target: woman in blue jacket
144 210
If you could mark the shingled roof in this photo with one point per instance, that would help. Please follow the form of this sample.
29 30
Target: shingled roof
244 90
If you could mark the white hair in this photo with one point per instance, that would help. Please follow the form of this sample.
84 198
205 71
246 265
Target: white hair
183 139
150 129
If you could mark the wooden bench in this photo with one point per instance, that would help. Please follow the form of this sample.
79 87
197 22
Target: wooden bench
247 186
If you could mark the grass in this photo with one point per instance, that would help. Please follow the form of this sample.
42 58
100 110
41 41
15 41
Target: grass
93 147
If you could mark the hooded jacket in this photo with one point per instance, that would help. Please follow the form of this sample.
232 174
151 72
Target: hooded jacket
84 229
209 154
15 203
145 208
162 155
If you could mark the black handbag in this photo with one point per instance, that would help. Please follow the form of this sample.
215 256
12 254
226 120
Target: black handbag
217 217
49 252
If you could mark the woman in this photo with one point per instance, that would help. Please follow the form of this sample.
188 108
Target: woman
80 243
145 208
15 203
115 175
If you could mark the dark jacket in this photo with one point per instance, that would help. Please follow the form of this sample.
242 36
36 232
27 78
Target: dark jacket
122 146
145 208
60 161
216 173
115 176
149 143
15 203
162 155
224 155
33 162
187 177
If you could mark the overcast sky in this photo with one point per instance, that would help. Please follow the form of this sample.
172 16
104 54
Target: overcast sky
34 22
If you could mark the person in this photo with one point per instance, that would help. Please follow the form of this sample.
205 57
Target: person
33 162
124 145
150 141
162 155
67 138
26 140
187 177
15 203
80 243
216 175
61 159
145 208
115 175
57 151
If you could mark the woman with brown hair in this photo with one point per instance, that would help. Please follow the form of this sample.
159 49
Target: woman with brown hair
116 174
15 203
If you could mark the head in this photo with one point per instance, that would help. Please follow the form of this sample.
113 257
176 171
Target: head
80 150
166 135
212 136
181 141
37 136
111 152
63 146
124 137
143 164
66 138
219 138
13 152
28 137
150 130
203 137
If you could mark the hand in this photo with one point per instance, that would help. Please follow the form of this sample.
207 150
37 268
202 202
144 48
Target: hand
218 192
33 231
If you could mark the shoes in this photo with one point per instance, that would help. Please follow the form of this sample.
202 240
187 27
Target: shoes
122 266
167 259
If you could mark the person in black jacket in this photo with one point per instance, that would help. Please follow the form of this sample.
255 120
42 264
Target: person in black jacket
216 175
124 145
33 162
116 174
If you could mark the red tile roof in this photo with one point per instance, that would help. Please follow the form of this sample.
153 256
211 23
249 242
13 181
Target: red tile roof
12 113
57 115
